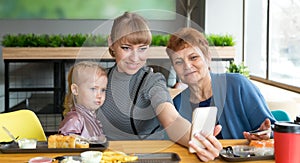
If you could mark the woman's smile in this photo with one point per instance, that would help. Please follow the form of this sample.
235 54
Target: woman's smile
189 73
132 65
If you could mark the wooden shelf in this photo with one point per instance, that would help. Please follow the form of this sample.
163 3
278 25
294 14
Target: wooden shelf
19 53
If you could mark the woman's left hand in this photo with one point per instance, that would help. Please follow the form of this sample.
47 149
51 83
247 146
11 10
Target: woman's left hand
266 125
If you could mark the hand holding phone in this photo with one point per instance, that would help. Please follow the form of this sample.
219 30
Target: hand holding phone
260 132
204 119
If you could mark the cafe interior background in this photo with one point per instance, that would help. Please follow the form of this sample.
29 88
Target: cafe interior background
266 36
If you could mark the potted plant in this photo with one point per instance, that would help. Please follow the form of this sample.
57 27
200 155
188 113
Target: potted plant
54 46
57 46
221 46
238 68
71 46
160 40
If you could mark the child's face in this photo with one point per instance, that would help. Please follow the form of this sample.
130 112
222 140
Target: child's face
130 58
91 91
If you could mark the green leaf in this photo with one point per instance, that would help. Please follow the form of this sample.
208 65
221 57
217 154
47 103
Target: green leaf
160 39
220 40
240 68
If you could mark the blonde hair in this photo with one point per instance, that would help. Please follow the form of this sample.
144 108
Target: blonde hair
131 28
188 37
74 77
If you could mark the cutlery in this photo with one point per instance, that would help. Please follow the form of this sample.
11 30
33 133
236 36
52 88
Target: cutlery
9 134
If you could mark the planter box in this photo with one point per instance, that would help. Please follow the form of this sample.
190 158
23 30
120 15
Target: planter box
53 52
70 53
94 53
222 52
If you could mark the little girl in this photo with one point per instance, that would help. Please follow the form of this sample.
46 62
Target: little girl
87 83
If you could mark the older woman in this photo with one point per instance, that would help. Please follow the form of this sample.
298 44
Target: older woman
241 107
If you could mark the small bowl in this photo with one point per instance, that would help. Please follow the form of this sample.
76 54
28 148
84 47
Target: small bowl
243 150
25 143
91 156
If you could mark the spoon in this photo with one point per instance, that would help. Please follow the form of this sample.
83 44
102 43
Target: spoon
10 134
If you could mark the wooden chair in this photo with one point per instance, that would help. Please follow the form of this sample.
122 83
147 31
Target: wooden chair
22 123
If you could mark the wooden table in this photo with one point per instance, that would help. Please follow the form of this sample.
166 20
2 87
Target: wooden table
134 147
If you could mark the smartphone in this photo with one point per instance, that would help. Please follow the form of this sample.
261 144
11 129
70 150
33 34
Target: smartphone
204 119
260 132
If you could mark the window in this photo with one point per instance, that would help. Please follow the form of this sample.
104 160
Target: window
272 39
255 36
284 46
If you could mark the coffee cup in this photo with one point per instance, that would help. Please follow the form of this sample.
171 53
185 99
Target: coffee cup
286 142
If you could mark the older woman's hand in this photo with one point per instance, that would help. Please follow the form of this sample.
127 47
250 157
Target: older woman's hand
212 145
266 125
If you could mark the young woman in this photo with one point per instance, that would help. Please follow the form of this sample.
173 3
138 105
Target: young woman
87 83
138 104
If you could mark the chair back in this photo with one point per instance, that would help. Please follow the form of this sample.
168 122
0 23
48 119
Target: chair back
23 123
281 115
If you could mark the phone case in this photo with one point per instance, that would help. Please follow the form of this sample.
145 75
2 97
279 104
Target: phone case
204 119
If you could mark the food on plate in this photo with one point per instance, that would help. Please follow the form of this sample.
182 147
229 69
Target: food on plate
81 144
262 143
61 141
243 150
263 147
116 157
